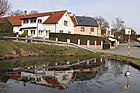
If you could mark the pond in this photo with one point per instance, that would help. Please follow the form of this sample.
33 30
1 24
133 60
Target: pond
95 75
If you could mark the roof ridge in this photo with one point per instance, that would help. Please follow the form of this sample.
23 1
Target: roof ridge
35 14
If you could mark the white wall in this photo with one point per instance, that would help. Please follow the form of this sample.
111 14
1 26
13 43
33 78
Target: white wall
34 24
50 27
55 28
16 29
60 25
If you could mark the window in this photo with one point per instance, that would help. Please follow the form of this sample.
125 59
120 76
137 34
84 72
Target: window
47 32
69 32
92 29
32 32
65 77
40 32
61 31
33 20
65 23
39 20
26 21
82 29
38 79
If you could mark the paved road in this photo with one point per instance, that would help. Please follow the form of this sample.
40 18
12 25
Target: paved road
122 49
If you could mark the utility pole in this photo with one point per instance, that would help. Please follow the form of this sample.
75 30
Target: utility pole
128 73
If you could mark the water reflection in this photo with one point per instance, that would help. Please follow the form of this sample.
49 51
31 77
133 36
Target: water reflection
93 75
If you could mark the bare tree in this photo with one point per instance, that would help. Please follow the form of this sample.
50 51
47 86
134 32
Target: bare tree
16 13
118 24
4 7
104 25
33 12
20 12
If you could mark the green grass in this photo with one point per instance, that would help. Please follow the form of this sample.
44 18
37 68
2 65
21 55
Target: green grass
52 53
40 49
5 47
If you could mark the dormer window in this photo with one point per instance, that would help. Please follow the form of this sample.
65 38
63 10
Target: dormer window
26 21
39 20
33 20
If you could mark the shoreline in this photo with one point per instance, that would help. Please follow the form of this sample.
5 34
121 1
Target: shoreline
11 50
135 62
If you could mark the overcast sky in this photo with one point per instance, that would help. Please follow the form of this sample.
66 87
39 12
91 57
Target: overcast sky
128 10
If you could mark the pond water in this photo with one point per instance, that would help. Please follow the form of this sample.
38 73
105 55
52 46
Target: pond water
94 75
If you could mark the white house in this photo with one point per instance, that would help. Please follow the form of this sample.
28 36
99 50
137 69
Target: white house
39 25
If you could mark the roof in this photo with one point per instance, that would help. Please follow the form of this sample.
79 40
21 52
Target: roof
73 20
54 17
53 82
27 28
15 20
86 21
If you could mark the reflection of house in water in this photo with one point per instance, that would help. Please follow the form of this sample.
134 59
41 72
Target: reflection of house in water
56 79
59 79
60 76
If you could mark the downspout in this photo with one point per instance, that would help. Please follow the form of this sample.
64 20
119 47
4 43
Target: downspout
97 30
37 28
55 27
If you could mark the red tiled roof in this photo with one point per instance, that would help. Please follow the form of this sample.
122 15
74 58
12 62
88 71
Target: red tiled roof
54 17
14 20
53 82
74 20
15 76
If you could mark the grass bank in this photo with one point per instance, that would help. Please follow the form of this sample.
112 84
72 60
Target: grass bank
135 62
9 49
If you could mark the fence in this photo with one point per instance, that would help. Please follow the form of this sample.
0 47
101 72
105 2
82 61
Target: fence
30 39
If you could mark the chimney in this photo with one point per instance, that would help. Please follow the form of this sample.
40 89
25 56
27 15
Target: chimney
25 13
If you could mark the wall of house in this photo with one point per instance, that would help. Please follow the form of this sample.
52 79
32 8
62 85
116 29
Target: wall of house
16 29
66 29
39 26
77 30
34 24
50 27
53 28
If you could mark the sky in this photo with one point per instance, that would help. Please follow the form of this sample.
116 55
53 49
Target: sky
128 10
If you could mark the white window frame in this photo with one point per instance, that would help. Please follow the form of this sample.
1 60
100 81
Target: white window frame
65 23
32 32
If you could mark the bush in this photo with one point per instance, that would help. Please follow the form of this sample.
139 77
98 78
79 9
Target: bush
24 34
74 38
